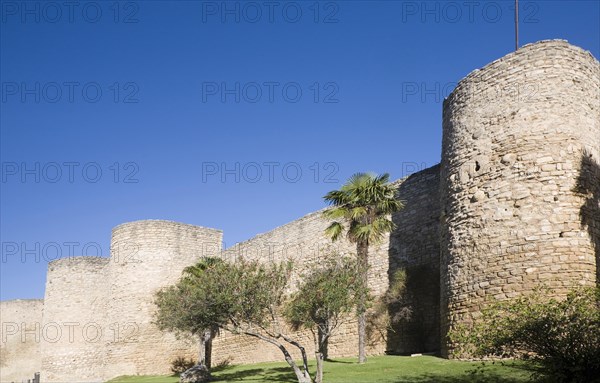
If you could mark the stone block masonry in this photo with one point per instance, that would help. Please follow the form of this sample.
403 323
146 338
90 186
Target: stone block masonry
303 242
97 312
74 323
514 204
515 136
413 247
145 256
20 327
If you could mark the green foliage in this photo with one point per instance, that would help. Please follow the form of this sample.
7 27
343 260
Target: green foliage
327 295
563 336
392 307
181 364
223 295
365 202
244 297
395 298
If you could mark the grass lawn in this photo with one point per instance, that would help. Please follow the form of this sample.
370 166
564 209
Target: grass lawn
380 369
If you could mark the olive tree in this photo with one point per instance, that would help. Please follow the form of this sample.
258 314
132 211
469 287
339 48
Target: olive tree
324 301
242 298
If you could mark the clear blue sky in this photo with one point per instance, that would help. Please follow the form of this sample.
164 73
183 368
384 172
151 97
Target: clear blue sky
146 91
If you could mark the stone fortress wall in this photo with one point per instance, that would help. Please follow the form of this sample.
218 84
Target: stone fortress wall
303 242
518 136
74 319
95 320
413 246
514 204
20 355
145 256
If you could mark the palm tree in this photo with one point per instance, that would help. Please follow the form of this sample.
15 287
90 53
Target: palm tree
364 203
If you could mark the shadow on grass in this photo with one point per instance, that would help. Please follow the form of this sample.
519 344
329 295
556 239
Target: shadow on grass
478 374
221 367
466 378
275 374
483 373
339 361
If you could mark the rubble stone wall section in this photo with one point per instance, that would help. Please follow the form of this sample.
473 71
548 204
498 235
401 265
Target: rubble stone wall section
20 337
516 135
75 325
146 256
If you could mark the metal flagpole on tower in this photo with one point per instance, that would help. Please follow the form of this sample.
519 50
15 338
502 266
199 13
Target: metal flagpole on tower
516 24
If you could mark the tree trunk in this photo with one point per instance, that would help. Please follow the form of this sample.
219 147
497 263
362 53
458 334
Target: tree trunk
319 376
208 350
205 349
362 357
305 372
362 249
302 375
201 349
323 343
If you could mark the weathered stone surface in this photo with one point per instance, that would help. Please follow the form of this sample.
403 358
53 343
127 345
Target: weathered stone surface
304 242
540 109
20 327
98 312
513 205
75 319
413 246
145 256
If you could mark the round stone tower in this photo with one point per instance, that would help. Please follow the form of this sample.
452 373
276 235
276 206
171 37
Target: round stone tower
146 256
520 179
74 322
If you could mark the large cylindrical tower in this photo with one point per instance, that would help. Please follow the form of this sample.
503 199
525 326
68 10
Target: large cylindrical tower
519 179
146 256
74 323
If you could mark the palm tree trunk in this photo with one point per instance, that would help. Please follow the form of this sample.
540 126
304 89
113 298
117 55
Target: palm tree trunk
362 325
362 249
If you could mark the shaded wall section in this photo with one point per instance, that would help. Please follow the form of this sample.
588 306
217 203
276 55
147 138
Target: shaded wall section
588 186
414 248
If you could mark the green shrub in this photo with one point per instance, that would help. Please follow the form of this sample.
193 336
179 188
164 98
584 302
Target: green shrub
181 364
563 336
